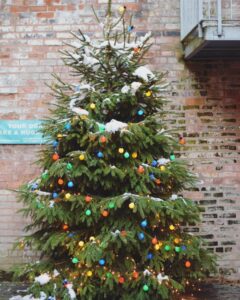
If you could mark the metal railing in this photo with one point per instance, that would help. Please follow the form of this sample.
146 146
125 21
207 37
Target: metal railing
193 12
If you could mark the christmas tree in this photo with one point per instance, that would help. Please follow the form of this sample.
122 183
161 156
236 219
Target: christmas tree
106 211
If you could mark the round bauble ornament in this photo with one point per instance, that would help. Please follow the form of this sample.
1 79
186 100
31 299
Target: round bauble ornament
134 155
54 195
145 288
81 244
187 264
141 236
154 163
172 157
176 240
144 223
167 248
101 127
75 260
177 249
126 155
120 150
154 241
111 205
102 139
65 227
182 141
105 213
140 112
100 154
172 227
149 256
69 166
59 136
55 156
81 157
121 280
55 144
131 205
162 168
67 126
68 196
102 262
88 199
141 170
135 275
70 184
148 93
88 212
89 273
92 105
60 181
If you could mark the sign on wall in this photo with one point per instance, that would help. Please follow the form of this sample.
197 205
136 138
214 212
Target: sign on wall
20 132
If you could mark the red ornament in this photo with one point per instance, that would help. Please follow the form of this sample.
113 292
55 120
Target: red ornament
187 264
88 199
105 213
158 181
140 170
60 181
136 50
154 241
55 156
135 275
103 139
121 280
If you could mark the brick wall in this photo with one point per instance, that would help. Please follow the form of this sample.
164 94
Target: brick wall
205 106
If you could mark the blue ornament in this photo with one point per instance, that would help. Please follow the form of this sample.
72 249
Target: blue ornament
55 144
100 154
144 223
71 234
152 177
149 256
65 281
51 298
34 186
154 163
140 112
54 195
102 262
70 184
141 236
67 126
184 248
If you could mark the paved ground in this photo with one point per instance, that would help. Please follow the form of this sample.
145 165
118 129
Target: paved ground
210 292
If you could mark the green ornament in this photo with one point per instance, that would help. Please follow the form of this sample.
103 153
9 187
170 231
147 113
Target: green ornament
146 288
101 127
69 166
126 155
45 175
109 275
75 260
177 249
111 205
167 248
40 205
88 212
172 157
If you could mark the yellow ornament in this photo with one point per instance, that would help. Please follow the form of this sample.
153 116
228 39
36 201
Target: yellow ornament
92 239
160 244
89 273
131 205
92 105
68 196
162 168
121 9
83 117
81 244
172 227
121 150
134 155
157 247
59 136
81 157
148 93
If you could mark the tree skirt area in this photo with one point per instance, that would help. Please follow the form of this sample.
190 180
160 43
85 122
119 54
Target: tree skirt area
213 291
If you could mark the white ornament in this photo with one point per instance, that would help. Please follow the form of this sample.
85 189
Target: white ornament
135 86
147 272
125 89
174 197
160 278
51 204
163 161
71 291
55 273
115 233
43 279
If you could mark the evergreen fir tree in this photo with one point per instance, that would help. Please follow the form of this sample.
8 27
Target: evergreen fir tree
106 214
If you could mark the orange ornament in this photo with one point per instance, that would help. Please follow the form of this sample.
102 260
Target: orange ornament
103 139
158 181
65 227
187 264
123 233
60 181
136 50
105 213
135 275
154 241
140 170
121 280
88 199
182 141
55 156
